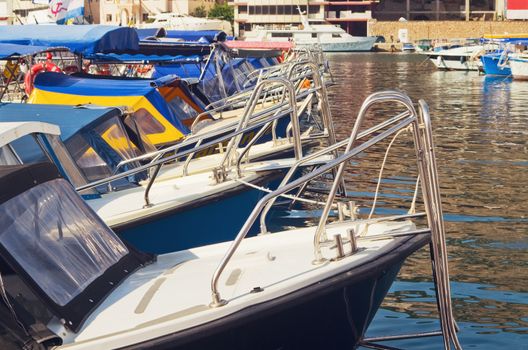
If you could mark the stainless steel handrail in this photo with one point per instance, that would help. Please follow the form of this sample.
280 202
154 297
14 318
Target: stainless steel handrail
338 162
235 142
332 148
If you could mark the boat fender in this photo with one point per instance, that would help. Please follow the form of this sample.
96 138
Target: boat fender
462 59
439 60
47 66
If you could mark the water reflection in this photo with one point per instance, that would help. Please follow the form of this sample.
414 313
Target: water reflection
481 136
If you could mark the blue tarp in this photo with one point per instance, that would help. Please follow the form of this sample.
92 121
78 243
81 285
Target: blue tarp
145 33
204 36
129 58
14 50
70 119
80 39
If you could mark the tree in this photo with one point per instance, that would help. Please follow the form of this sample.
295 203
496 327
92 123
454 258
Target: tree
200 11
223 11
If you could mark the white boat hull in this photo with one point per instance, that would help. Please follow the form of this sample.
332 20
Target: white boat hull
362 44
519 69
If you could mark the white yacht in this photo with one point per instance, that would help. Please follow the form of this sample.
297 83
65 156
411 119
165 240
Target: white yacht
459 57
330 37
176 21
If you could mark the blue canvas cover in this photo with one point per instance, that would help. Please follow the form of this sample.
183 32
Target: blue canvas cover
8 51
80 39
108 86
204 36
145 59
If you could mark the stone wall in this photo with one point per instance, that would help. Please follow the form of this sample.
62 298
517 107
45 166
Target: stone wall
445 29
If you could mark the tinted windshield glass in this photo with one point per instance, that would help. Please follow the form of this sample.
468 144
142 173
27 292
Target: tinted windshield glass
57 239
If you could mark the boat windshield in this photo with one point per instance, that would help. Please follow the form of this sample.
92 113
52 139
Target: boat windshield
57 239
98 151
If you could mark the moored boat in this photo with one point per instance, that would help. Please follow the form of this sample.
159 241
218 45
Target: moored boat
329 278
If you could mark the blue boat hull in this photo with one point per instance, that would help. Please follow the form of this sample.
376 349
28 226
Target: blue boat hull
331 314
489 63
209 220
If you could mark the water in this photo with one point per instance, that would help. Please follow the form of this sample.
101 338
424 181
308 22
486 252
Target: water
481 135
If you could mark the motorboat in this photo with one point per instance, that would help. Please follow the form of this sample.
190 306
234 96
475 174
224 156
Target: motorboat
329 37
175 21
458 58
408 47
70 277
498 63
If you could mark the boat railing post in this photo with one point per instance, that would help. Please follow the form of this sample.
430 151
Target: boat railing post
431 192
384 96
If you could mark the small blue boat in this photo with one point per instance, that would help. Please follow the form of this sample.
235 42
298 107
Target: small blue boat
491 66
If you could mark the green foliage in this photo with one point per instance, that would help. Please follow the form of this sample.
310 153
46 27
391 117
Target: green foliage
223 11
200 11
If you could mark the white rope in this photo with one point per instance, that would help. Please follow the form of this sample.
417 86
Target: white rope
382 168
289 196
412 209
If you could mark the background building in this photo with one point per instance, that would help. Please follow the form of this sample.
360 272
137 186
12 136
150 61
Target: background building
351 15
127 12
354 15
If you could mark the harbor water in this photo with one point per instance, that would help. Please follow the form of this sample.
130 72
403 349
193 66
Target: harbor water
481 134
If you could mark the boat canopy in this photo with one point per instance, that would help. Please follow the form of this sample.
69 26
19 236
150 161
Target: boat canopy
66 261
11 51
145 59
96 138
79 39
165 107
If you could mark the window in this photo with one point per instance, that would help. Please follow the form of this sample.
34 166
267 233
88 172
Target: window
109 18
147 123
58 241
334 35
288 10
265 10
258 10
29 150
145 17
242 9
281 35
314 35
273 10
313 9
280 10
251 10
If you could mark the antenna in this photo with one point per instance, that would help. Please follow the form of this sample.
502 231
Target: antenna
304 20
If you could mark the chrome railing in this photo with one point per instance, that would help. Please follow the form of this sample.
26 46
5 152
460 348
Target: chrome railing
420 126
